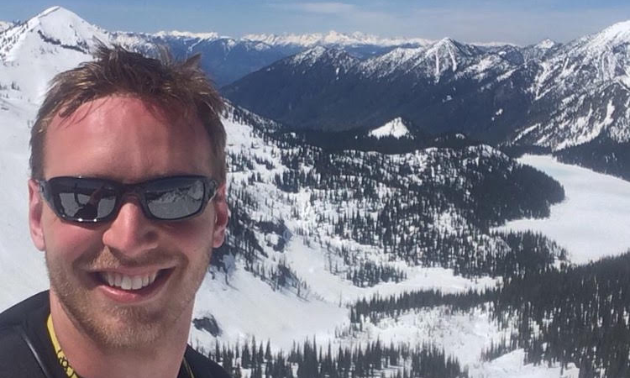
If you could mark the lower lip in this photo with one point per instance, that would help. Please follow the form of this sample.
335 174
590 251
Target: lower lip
135 296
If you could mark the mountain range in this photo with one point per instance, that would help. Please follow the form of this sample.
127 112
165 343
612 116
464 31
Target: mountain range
549 95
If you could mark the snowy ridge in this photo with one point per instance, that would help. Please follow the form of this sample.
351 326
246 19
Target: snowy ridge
335 57
617 34
395 128
309 57
333 38
210 36
433 60
587 86
389 63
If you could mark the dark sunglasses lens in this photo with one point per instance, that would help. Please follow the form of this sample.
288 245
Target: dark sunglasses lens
83 199
175 198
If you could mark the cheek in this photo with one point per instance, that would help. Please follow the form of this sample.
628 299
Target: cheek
192 236
67 240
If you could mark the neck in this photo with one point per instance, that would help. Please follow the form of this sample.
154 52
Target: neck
161 359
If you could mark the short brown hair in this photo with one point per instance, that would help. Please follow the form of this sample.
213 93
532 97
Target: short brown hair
176 87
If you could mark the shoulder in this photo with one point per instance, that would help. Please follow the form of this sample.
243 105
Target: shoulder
15 330
203 367
17 314
17 356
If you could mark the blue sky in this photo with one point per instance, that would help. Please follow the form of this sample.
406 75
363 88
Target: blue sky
521 22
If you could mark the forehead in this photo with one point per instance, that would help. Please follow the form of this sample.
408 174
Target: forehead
127 139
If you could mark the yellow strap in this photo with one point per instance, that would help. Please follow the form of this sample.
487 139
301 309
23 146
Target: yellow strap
61 357
65 364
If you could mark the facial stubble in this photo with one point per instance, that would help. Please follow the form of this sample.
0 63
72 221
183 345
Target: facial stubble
120 327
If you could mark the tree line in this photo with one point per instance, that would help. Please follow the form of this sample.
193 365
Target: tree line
309 360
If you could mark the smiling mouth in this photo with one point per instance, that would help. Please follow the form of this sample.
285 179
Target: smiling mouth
137 283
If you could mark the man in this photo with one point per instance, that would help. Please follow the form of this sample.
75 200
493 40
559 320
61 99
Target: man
127 200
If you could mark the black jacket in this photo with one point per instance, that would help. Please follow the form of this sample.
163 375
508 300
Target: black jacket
26 349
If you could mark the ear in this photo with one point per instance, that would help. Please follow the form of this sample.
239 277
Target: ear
35 210
221 217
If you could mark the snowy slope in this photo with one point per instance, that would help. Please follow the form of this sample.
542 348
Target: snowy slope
23 270
30 54
584 87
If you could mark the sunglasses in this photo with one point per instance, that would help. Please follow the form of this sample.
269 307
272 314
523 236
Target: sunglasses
93 200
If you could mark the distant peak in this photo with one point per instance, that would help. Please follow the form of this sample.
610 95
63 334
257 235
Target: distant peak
185 34
57 14
333 38
446 41
56 11
546 44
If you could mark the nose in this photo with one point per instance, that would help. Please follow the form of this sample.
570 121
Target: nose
130 232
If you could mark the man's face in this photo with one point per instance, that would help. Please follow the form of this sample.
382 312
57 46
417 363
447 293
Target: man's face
123 139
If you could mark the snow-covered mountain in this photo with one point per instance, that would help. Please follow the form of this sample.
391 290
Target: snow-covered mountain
445 86
548 94
29 50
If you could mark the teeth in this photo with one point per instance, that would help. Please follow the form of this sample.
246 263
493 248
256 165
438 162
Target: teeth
128 282
136 283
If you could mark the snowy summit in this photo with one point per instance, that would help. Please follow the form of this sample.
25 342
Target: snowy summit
395 128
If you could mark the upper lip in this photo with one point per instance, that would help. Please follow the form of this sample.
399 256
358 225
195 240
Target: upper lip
132 271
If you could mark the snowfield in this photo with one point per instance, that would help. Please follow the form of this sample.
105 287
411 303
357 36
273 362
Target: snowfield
592 222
